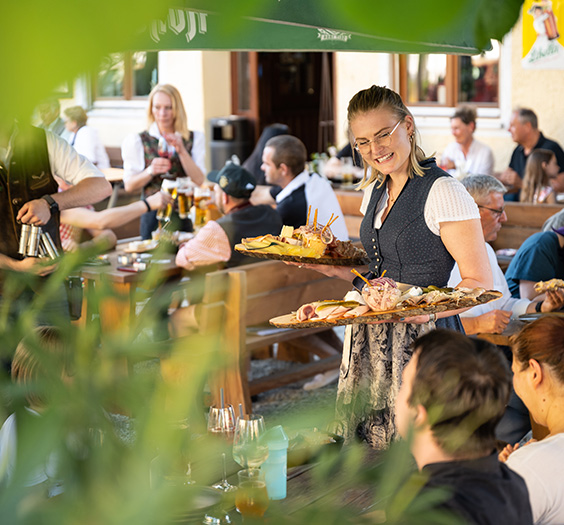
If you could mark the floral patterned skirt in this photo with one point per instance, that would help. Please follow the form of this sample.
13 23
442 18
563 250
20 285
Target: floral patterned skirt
374 356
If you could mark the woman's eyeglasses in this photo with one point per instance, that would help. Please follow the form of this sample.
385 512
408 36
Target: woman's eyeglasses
383 140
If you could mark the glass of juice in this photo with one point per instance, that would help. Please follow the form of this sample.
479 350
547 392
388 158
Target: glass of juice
251 498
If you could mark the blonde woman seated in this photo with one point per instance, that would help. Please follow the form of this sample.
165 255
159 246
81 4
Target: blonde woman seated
538 379
145 165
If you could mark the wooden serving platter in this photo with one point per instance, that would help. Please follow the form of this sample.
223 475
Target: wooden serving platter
290 321
332 261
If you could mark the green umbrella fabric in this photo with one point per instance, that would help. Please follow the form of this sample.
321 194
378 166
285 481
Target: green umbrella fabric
47 43
405 26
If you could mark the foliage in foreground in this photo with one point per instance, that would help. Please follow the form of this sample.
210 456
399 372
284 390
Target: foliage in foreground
110 424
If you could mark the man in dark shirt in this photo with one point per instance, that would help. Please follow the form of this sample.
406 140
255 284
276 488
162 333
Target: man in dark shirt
453 394
523 127
540 258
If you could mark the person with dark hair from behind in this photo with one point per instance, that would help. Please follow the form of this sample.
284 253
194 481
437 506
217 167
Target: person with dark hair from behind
453 394
524 130
254 163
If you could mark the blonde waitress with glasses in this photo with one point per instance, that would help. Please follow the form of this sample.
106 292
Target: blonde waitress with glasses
418 220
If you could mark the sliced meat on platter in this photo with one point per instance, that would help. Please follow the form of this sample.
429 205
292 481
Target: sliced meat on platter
381 295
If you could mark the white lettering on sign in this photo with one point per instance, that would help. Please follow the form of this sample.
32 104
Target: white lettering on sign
180 21
328 34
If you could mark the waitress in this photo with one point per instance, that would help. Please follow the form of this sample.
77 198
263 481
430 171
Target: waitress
144 168
418 220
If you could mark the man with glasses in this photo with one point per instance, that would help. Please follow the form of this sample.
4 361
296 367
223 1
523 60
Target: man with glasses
523 127
494 317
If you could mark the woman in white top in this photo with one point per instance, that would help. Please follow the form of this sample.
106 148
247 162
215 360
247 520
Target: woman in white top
144 167
538 379
466 155
85 139
417 222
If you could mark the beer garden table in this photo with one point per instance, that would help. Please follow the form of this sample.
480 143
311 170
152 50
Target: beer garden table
118 310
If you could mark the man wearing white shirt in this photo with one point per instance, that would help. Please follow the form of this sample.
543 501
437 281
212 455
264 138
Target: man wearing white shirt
29 158
284 164
494 317
466 156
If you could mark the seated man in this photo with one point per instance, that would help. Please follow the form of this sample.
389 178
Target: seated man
540 258
214 243
453 394
284 164
493 318
524 130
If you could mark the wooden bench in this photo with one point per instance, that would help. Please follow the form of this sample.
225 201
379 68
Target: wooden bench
252 295
350 201
523 219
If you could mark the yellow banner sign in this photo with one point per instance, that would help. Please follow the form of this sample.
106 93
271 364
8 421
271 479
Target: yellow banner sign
542 41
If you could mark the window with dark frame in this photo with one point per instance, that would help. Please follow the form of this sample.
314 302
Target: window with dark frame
450 80
126 76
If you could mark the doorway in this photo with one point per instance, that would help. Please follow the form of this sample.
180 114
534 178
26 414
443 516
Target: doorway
286 88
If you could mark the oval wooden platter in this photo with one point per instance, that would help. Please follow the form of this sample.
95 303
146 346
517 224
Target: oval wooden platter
332 261
290 321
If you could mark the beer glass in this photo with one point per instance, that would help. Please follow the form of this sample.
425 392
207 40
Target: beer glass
170 187
202 197
185 196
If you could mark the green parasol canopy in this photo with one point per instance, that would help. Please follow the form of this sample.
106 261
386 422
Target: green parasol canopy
404 26
47 43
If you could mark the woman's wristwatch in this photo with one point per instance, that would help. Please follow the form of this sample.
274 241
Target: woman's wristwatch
538 307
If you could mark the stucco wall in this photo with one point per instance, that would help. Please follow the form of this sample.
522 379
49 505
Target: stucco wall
542 90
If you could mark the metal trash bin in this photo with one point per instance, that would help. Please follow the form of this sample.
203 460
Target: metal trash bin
229 136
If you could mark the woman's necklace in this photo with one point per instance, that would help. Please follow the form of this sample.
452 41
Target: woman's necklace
391 198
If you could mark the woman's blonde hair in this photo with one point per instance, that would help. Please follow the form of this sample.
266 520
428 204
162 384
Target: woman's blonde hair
77 114
180 120
535 175
377 97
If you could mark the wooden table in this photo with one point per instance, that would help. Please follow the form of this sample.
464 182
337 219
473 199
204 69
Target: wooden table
115 177
502 339
118 310
303 491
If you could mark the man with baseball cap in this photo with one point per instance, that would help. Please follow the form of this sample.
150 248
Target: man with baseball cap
215 242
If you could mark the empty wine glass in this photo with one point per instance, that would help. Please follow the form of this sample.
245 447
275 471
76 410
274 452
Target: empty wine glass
221 421
248 449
